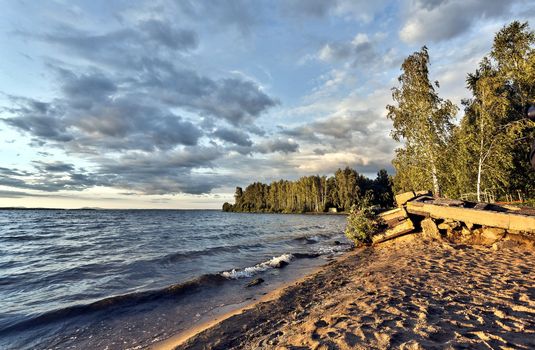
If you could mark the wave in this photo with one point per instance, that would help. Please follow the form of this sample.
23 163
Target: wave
308 239
340 248
25 238
273 263
118 301
172 291
276 262
175 257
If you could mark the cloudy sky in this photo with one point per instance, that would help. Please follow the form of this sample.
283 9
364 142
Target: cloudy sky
171 104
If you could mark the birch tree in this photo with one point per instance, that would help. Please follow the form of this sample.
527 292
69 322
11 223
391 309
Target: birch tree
494 134
485 129
422 121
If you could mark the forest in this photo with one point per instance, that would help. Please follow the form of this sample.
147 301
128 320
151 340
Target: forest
314 193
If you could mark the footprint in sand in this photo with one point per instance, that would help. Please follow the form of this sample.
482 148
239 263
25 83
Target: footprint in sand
321 323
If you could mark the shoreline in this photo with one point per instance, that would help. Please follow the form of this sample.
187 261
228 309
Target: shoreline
407 293
237 309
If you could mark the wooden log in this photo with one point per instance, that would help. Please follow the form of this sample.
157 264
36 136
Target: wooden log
507 221
402 228
403 198
392 217
448 202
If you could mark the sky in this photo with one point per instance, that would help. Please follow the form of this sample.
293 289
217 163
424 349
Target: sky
172 104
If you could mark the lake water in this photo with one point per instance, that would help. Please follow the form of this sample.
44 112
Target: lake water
127 278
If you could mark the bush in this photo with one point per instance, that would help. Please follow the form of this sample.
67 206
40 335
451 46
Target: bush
362 224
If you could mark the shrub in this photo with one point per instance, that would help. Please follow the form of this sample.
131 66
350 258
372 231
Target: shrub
362 224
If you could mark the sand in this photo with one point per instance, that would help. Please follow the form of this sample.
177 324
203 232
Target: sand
406 294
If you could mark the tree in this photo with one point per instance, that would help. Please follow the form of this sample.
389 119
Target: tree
313 193
422 120
382 189
486 131
513 52
492 138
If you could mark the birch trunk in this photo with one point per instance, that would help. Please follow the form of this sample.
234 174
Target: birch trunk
479 167
436 185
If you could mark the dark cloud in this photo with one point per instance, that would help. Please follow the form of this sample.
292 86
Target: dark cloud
234 100
111 47
13 194
50 181
444 19
40 119
54 167
104 124
85 90
233 136
168 173
172 172
278 144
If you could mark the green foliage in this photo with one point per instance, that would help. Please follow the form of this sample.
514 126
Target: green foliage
489 148
314 193
362 223
423 122
491 143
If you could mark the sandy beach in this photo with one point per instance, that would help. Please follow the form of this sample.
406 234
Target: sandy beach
405 294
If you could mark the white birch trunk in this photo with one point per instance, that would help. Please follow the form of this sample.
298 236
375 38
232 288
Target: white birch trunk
436 186
479 167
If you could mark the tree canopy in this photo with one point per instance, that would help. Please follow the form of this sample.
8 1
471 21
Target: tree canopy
488 147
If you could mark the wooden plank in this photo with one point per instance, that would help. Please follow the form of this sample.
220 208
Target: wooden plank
404 227
506 221
394 214
403 198
448 202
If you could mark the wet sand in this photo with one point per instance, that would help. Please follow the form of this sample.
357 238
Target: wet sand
404 294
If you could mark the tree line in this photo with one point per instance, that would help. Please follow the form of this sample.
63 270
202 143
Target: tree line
488 148
314 193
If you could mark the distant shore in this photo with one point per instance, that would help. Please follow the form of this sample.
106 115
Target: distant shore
407 293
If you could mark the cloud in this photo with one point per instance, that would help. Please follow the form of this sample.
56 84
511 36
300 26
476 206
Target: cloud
234 100
173 38
361 10
110 46
239 14
102 124
360 51
444 19
233 136
164 173
335 129
312 8
51 177
171 172
279 144
128 100
13 194
54 167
